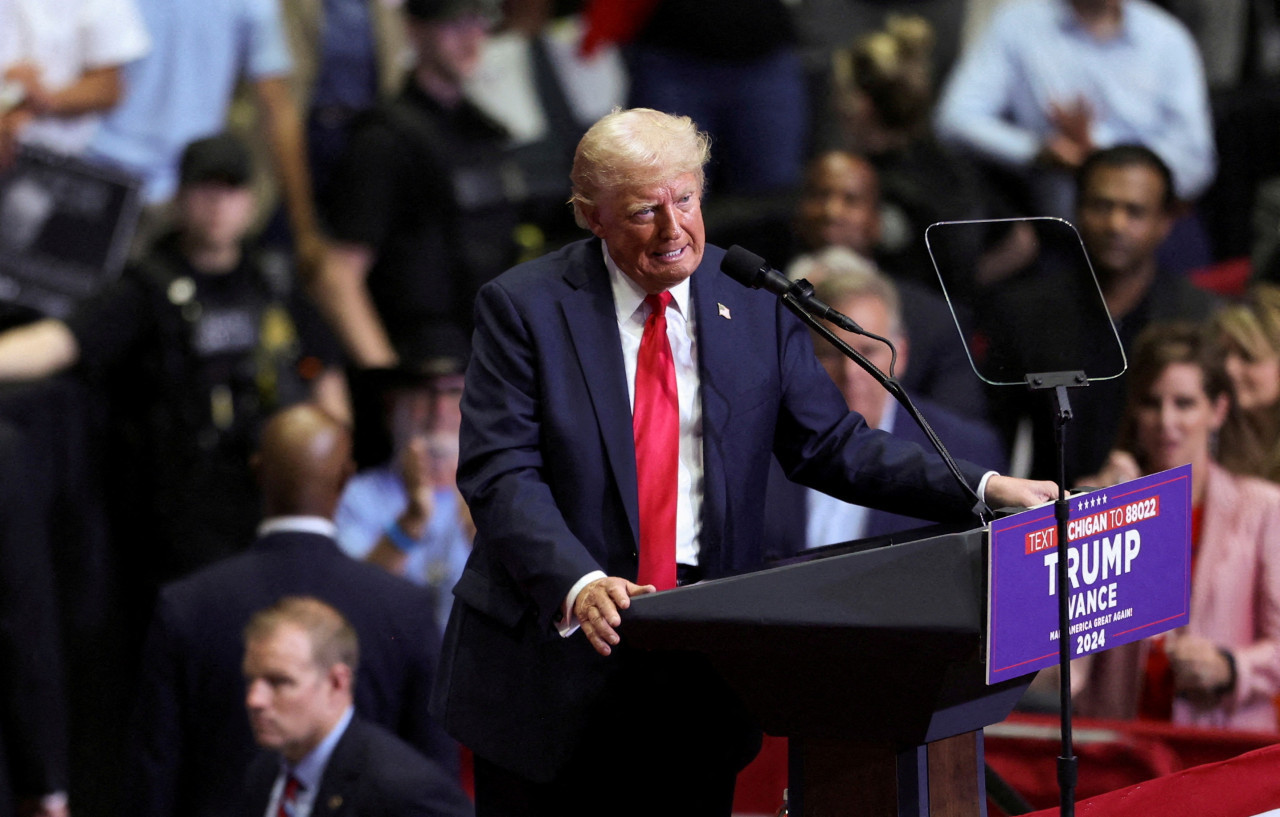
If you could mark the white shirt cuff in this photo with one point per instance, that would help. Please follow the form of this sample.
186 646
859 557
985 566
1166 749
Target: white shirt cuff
982 485
568 620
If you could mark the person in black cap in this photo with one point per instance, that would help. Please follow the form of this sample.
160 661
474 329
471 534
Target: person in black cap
402 511
420 209
194 346
216 159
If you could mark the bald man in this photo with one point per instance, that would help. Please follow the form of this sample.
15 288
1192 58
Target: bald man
193 742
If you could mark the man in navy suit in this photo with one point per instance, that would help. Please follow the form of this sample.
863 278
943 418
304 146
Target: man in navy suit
799 517
567 722
192 739
300 662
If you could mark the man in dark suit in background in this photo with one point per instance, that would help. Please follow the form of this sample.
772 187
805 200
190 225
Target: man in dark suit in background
557 475
192 740
799 517
300 664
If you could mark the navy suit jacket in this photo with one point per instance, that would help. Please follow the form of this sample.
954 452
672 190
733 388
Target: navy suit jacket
548 468
371 773
192 737
786 516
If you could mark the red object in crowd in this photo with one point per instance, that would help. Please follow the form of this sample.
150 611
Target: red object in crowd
613 21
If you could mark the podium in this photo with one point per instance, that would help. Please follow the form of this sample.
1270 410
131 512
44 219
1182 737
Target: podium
867 657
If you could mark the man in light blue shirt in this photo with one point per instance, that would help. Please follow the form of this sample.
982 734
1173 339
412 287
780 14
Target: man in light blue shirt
182 90
405 514
1051 80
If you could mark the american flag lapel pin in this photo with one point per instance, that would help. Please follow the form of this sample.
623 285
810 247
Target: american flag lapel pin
724 311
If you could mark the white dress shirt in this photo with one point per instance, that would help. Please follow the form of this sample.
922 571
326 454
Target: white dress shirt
298 524
628 303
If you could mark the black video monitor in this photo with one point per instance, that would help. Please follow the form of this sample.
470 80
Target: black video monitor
65 230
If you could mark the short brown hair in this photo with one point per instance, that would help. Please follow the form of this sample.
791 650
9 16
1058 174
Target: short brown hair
1160 346
333 639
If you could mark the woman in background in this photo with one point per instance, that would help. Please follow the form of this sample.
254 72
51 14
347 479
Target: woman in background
1249 332
1223 668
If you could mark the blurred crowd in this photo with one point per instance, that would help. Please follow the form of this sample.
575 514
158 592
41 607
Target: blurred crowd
266 402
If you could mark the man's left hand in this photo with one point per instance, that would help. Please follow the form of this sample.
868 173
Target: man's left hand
1011 492
36 97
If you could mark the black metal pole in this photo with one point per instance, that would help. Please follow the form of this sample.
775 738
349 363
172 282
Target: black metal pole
1067 762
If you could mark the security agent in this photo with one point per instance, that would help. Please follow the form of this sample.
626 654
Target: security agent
299 668
195 347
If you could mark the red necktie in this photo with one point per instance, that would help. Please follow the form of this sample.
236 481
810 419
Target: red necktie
656 427
289 798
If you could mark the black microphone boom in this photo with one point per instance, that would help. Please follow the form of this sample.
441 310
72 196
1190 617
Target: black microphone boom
752 271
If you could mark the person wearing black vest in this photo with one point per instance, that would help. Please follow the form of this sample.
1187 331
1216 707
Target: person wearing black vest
422 208
195 346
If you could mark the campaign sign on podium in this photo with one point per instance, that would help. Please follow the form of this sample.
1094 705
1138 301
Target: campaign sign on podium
1130 573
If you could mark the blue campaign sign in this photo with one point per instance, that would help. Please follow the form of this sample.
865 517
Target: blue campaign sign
1129 562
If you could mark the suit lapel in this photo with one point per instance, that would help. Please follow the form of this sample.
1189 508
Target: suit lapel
591 317
260 779
341 776
713 310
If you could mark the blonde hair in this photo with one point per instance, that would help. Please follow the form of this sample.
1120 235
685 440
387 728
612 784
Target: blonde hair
1254 325
894 68
1163 344
635 148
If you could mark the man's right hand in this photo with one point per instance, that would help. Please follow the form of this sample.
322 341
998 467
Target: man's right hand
597 606
415 471
1071 141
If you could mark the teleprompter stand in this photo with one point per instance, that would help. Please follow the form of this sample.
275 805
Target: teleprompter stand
1053 326
868 660
1068 764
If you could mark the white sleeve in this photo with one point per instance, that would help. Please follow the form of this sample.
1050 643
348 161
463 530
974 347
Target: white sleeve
568 621
112 33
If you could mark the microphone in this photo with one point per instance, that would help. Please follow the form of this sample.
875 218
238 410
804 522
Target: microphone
752 271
